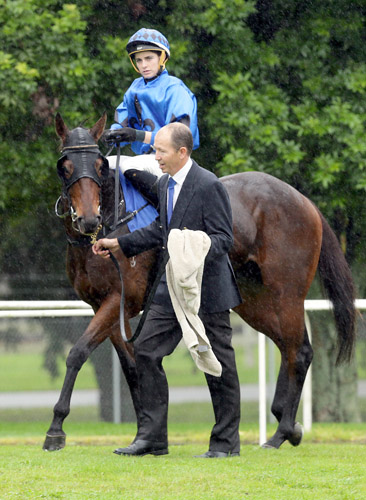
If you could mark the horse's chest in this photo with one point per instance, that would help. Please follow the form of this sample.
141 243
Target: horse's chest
84 278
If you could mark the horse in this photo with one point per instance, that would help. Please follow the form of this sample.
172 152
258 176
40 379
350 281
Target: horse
280 241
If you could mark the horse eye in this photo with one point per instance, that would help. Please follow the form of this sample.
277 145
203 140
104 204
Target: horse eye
99 164
67 169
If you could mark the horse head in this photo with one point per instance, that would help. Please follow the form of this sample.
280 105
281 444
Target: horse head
82 169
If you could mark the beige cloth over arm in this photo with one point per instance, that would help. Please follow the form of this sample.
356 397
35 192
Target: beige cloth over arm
187 251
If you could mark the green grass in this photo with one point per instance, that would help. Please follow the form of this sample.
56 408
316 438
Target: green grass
328 465
178 413
24 371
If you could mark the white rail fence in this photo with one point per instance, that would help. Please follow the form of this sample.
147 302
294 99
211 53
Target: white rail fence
68 308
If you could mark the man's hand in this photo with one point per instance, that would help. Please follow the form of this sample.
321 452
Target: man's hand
104 246
125 134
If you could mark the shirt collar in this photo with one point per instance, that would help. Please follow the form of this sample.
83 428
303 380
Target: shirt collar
180 176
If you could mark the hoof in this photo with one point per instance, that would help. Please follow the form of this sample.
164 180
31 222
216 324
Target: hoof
54 443
296 437
273 444
268 446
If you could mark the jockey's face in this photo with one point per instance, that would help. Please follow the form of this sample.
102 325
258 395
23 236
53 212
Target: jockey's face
147 63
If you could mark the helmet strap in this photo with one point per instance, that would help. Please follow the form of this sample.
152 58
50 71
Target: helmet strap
132 59
162 61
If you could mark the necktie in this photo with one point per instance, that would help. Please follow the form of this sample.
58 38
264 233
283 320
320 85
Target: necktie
171 185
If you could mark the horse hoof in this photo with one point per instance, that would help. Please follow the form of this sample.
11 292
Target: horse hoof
54 443
268 446
274 443
296 437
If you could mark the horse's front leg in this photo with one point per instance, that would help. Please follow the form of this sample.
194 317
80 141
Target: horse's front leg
126 358
100 327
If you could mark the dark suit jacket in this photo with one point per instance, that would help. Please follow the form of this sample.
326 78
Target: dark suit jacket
203 204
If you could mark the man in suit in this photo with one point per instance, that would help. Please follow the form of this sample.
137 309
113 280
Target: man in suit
200 203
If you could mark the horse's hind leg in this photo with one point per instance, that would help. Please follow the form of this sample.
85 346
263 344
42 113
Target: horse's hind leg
283 322
295 361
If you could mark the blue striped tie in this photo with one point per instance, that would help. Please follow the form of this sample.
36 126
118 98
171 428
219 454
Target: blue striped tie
171 185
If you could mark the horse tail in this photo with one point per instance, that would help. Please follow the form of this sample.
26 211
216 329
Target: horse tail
337 282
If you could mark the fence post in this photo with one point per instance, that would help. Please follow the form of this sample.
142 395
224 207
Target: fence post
116 384
262 389
307 408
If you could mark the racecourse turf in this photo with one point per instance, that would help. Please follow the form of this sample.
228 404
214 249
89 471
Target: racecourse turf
328 465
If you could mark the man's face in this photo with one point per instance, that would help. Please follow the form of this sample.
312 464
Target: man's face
170 160
147 63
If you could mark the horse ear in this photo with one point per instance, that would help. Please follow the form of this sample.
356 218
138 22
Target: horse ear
97 130
61 129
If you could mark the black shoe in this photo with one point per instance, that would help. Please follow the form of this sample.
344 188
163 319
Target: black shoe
141 447
218 454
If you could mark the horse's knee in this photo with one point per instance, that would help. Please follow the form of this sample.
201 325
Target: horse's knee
305 356
77 357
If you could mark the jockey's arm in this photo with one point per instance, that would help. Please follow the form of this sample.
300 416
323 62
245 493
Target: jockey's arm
145 182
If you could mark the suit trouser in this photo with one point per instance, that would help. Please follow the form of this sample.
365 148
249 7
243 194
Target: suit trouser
159 337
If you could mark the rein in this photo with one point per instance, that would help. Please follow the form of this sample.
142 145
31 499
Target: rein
114 260
86 240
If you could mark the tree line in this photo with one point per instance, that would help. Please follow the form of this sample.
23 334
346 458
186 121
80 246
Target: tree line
280 86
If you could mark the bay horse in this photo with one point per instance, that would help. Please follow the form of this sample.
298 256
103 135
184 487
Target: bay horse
280 241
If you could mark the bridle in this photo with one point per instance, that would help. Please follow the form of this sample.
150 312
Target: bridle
83 239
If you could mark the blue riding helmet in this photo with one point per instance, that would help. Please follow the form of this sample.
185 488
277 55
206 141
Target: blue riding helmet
148 39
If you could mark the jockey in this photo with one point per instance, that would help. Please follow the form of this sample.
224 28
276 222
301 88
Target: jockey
152 101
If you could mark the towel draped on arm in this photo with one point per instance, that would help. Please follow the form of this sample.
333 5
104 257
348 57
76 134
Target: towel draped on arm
187 251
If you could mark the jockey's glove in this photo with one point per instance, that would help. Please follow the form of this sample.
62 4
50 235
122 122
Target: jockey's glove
125 134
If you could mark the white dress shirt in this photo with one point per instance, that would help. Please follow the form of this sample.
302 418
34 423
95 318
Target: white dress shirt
179 178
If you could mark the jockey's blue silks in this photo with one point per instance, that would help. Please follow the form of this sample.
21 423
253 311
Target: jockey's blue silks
134 200
150 104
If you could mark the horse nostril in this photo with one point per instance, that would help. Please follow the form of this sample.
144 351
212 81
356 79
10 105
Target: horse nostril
88 225
80 221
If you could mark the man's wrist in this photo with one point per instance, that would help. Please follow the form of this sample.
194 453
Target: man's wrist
115 244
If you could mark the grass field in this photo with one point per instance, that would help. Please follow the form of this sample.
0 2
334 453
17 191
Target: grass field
328 465
23 370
